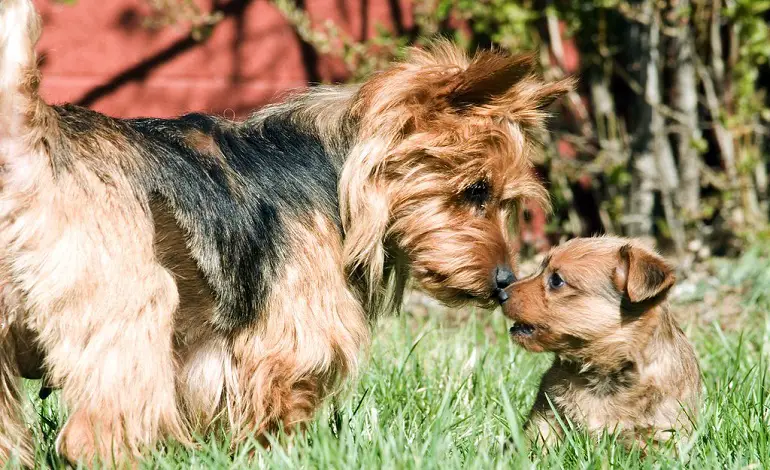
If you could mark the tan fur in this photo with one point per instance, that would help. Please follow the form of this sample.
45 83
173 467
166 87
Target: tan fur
205 145
310 341
324 110
18 71
621 362
89 285
56 248
18 79
202 355
277 373
15 437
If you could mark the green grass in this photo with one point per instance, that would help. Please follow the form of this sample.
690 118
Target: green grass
438 393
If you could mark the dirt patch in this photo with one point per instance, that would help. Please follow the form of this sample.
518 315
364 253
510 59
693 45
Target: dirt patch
700 297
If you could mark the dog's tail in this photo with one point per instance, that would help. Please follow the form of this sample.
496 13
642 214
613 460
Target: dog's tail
19 75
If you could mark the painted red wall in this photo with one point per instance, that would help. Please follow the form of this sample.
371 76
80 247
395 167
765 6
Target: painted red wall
98 53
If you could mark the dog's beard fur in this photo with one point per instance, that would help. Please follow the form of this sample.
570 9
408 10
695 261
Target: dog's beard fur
176 270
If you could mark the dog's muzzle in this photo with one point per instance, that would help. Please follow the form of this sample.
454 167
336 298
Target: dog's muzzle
504 277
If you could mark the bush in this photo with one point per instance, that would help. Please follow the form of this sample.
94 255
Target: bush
667 134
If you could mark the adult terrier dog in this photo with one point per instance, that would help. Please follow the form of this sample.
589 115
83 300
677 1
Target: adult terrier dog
166 272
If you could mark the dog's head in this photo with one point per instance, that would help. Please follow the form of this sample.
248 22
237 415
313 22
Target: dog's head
441 167
592 296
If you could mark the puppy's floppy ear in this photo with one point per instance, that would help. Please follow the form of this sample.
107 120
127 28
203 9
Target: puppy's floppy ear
641 274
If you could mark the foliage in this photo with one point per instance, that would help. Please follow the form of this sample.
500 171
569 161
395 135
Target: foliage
594 184
182 13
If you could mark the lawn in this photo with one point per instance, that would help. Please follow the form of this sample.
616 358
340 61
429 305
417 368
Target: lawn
445 390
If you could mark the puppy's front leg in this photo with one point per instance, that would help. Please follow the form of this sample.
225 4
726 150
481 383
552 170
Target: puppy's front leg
544 429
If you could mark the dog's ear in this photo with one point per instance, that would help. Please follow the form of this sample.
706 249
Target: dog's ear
488 77
642 274
506 84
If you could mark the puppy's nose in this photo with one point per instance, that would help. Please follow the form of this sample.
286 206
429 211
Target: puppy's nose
504 277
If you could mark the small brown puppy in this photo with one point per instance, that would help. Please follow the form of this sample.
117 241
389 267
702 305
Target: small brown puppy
622 363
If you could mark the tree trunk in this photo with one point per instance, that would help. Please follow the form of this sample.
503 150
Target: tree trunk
685 102
652 161
641 200
607 130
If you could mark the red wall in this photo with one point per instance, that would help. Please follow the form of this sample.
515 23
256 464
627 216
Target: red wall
98 53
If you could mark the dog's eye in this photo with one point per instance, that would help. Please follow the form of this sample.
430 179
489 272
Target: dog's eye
477 193
555 281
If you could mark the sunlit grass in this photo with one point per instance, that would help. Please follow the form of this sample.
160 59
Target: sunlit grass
437 395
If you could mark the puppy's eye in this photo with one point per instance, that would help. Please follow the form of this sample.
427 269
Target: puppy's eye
477 193
555 281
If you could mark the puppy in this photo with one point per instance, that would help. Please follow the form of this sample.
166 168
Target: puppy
622 363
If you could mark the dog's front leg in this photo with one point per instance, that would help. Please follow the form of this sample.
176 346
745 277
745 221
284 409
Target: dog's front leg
310 338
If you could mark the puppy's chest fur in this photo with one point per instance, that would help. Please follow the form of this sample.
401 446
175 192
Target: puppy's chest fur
634 398
600 400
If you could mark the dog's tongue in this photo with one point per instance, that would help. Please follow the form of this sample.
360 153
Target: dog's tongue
522 329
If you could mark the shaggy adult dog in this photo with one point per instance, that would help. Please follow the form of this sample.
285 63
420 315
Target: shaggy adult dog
167 272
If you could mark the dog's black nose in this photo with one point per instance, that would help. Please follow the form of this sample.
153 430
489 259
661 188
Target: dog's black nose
504 277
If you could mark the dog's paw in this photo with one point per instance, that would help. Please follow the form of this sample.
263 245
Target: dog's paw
86 439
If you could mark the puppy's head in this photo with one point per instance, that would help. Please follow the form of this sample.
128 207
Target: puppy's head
591 296
443 163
